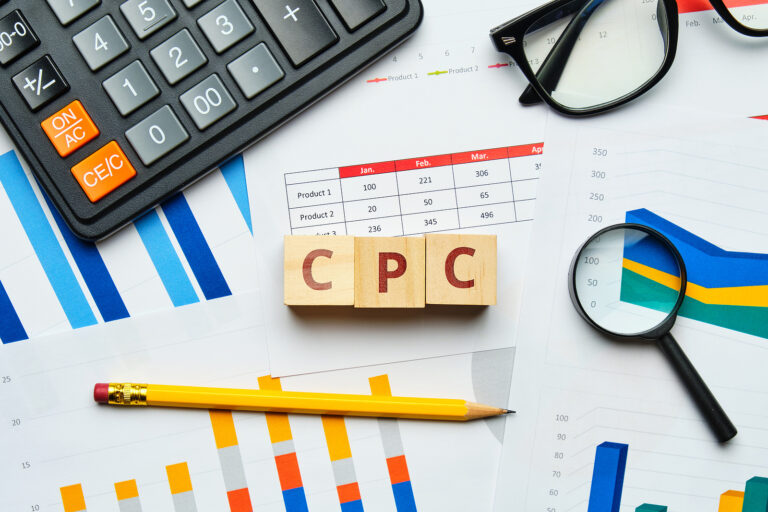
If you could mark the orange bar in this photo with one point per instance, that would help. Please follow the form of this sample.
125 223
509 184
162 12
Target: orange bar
239 501
277 423
126 490
380 385
731 501
178 478
336 437
223 428
348 492
72 498
288 471
398 470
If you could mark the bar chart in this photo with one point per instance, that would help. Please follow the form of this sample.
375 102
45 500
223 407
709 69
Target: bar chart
177 254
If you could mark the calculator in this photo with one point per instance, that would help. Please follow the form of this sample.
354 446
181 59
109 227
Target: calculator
118 105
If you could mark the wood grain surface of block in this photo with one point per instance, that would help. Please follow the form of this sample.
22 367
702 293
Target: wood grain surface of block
389 272
319 271
461 269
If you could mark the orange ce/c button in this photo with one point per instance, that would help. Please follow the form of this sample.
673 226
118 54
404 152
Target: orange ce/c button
70 128
103 171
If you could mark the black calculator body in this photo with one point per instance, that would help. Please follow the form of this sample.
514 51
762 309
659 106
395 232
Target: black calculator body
118 104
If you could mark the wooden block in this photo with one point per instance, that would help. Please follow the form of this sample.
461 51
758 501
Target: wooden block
319 271
461 269
389 272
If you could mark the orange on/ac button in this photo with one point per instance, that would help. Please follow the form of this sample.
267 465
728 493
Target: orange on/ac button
103 171
70 128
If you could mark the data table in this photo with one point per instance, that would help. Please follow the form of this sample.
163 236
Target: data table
417 195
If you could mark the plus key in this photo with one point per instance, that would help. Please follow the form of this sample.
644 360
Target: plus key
40 83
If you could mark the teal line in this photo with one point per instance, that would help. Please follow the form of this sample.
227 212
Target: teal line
233 171
165 259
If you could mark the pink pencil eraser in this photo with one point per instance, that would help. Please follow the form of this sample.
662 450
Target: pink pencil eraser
101 392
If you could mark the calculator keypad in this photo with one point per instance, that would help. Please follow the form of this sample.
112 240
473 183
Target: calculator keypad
157 135
40 83
69 10
131 88
178 57
101 43
16 37
225 26
300 27
147 16
207 102
255 70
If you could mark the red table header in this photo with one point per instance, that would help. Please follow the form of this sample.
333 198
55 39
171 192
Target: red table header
480 156
526 150
366 169
423 163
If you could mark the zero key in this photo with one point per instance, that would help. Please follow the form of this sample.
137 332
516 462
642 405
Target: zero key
300 27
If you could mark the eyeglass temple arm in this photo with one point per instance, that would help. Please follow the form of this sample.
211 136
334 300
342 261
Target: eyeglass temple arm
553 66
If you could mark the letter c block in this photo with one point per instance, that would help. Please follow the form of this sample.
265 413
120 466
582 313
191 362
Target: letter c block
389 272
461 269
319 271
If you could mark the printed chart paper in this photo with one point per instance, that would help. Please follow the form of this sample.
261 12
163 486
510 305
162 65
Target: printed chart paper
62 451
601 419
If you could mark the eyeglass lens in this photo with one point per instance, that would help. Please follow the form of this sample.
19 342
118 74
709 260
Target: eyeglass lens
594 52
750 13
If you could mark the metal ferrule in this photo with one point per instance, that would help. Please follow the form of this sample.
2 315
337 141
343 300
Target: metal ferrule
127 394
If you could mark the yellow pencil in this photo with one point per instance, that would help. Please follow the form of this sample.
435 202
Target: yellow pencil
130 394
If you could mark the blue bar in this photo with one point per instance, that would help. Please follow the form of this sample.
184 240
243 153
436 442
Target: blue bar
756 495
295 500
10 325
94 271
165 259
233 171
608 477
195 248
352 506
43 240
404 500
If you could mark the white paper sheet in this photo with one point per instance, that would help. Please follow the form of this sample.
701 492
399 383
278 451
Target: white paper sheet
575 389
55 436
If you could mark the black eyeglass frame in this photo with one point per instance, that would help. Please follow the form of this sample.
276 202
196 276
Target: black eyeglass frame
509 37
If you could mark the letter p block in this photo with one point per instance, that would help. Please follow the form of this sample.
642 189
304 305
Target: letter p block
461 269
389 272
319 271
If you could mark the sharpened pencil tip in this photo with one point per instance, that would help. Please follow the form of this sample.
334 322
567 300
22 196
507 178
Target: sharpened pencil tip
509 411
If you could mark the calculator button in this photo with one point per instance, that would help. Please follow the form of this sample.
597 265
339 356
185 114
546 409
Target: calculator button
101 43
147 16
255 70
178 57
355 13
299 26
225 25
69 10
70 128
40 83
207 102
16 37
157 135
131 88
191 3
103 171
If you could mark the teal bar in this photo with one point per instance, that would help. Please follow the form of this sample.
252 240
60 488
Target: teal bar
647 507
756 495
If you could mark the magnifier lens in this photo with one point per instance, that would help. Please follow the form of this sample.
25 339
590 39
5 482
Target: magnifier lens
627 281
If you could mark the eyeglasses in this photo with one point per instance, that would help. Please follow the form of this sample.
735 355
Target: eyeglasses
584 57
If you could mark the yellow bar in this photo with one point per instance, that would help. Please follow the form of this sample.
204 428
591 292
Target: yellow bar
278 425
756 296
72 498
380 385
336 437
178 478
223 428
731 501
126 490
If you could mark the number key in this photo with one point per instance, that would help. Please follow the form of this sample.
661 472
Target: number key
225 25
147 16
69 10
157 135
207 102
130 88
16 38
178 57
101 43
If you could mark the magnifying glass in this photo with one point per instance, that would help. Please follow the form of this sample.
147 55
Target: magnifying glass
628 281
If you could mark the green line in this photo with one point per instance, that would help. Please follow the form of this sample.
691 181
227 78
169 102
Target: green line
636 289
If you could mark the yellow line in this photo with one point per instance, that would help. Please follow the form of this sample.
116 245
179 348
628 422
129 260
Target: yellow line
756 296
336 437
223 428
277 423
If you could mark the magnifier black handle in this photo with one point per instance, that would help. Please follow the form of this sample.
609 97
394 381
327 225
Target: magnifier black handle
707 403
